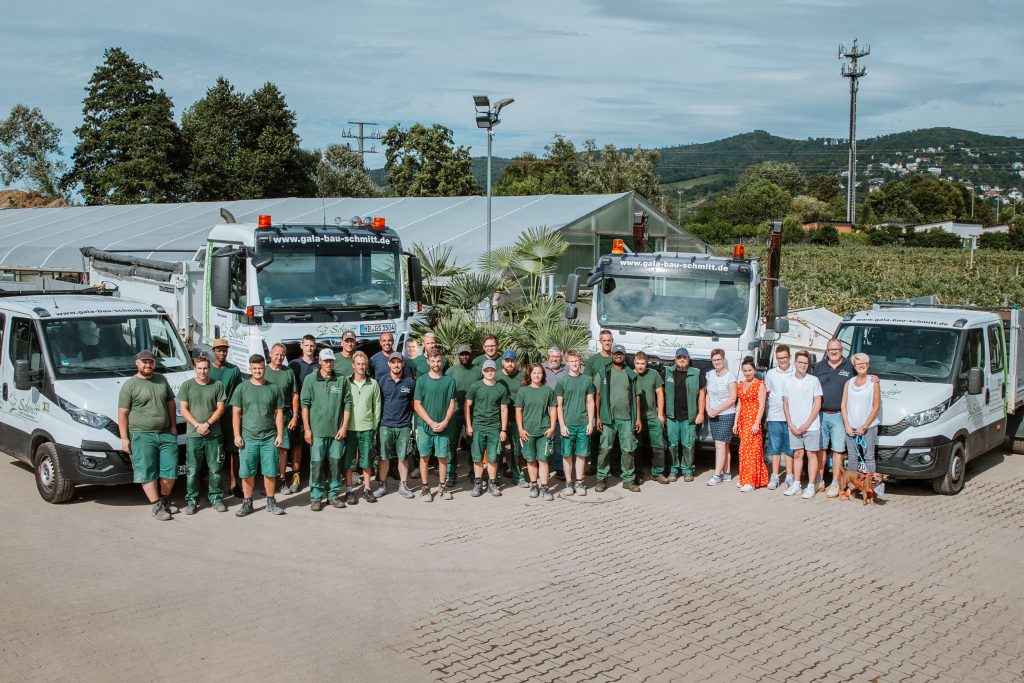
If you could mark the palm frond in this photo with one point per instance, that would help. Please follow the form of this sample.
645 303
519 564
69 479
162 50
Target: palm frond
468 290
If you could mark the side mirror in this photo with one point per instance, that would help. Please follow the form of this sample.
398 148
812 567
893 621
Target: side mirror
781 303
262 261
975 381
571 312
24 377
572 289
220 282
781 325
415 279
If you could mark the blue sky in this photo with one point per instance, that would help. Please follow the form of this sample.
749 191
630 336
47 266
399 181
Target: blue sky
646 72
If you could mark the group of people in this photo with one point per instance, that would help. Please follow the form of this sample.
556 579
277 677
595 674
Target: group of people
364 417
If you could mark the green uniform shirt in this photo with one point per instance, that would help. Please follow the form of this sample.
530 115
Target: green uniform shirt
619 397
421 366
366 405
229 375
535 402
202 400
283 379
342 365
434 395
647 385
146 401
464 378
487 401
596 364
574 392
512 383
258 403
327 400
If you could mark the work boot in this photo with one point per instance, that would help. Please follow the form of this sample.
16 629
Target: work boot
478 489
160 512
272 506
630 486
246 508
601 486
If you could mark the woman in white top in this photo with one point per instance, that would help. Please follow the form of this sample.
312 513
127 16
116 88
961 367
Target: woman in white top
862 400
721 402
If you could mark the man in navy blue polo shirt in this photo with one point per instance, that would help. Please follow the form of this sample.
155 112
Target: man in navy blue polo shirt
395 424
379 361
833 372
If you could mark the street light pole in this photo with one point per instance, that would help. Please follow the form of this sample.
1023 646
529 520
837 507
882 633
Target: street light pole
490 139
487 117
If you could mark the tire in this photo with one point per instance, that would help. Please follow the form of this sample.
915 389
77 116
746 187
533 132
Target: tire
952 482
50 480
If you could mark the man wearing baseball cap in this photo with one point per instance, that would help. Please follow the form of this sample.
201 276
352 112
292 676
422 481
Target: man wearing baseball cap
618 418
396 389
343 361
464 373
230 377
487 426
326 408
511 377
685 395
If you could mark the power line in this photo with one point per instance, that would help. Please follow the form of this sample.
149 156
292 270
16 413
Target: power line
361 136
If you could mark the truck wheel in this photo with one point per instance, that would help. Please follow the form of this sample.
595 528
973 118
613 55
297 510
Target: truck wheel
50 480
952 482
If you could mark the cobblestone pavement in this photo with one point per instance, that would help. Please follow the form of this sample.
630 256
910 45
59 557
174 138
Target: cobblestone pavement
679 582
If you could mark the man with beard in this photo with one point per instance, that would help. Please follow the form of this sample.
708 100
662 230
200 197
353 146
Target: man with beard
618 418
464 373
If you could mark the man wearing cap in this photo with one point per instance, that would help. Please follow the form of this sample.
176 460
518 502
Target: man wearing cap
685 396
511 377
618 418
282 377
651 388
258 417
230 376
574 395
202 406
396 390
434 404
148 423
326 410
421 364
303 366
464 374
343 361
486 416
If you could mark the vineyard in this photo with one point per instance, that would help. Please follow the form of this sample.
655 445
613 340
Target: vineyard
849 277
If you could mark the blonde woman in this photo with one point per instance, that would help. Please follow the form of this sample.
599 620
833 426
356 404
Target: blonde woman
862 401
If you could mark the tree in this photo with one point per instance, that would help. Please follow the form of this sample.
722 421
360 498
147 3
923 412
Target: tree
212 130
129 149
277 166
809 208
824 187
786 176
339 173
424 162
611 170
28 147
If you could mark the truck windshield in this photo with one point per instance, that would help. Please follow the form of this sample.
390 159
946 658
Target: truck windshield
673 305
106 347
310 280
903 353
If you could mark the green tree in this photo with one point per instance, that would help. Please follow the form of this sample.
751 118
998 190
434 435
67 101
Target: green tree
611 170
825 187
809 208
339 173
425 162
277 166
760 201
30 152
129 147
786 176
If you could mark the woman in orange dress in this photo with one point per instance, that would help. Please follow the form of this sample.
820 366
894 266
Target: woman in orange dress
751 395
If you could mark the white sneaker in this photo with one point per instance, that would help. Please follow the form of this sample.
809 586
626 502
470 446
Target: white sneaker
715 480
880 489
773 483
726 476
808 492
746 488
793 489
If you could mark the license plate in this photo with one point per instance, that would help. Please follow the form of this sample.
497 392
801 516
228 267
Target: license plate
182 470
376 328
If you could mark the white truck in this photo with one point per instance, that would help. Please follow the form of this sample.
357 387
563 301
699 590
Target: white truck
63 359
952 382
257 284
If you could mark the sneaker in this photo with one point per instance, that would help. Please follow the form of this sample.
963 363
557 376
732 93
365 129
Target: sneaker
534 491
296 484
601 486
191 508
746 488
478 489
272 506
773 483
661 479
808 492
219 506
546 494
738 484
726 476
338 502
569 490
715 480
523 484
673 477
404 491
368 496
425 494
316 506
492 488
794 488
446 493
160 512
581 488
687 477
282 486
833 490
246 508
351 498
789 480
381 490
169 505
880 489
630 486
819 486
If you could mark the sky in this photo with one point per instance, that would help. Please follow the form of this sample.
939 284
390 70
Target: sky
648 73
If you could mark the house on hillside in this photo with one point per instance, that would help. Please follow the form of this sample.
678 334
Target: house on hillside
964 230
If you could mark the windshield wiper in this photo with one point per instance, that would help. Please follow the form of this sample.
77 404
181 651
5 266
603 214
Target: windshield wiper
639 328
900 372
699 333
284 310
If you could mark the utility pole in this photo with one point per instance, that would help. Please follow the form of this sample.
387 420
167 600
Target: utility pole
853 72
361 136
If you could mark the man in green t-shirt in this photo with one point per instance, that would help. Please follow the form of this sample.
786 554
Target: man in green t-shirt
434 404
202 406
258 420
491 352
486 413
283 377
618 418
651 390
596 364
421 364
574 393
343 360
230 376
512 454
147 421
326 412
464 373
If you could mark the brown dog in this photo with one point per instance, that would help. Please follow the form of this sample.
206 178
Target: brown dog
865 483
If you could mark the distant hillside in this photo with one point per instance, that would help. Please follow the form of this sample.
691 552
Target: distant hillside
479 171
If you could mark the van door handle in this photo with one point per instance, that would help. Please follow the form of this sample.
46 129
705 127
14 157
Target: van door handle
5 391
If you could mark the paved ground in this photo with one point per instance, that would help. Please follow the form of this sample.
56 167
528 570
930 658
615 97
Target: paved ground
679 582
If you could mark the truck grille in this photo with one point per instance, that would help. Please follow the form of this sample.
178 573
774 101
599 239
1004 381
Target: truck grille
893 430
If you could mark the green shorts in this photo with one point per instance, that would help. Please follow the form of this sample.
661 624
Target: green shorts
535 449
258 454
154 456
486 441
394 442
430 443
326 447
359 450
577 444
623 429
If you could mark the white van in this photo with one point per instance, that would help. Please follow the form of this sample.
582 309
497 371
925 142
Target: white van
952 385
63 359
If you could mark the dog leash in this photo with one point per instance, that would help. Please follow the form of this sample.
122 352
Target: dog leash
861 445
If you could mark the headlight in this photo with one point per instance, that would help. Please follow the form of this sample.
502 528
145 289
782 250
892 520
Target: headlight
926 416
87 417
